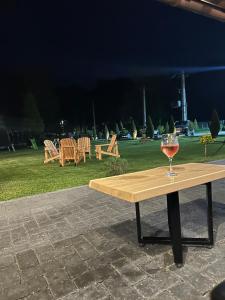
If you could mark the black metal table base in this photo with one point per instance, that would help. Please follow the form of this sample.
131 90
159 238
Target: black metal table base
175 238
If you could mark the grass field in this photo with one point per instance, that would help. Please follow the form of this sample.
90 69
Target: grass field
23 173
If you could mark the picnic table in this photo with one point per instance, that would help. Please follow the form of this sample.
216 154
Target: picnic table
140 186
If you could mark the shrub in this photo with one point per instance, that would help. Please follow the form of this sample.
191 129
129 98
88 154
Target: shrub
94 133
161 129
214 125
117 130
191 126
205 140
116 166
167 128
100 135
196 127
134 130
106 131
121 126
150 128
171 125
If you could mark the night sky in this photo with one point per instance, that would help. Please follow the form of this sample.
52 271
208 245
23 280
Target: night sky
80 42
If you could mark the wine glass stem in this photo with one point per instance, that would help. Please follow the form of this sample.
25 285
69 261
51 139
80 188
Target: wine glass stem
170 161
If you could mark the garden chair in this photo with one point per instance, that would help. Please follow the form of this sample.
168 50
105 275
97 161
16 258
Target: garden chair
51 152
84 143
69 151
112 149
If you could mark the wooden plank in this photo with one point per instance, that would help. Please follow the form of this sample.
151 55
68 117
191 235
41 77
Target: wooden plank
138 186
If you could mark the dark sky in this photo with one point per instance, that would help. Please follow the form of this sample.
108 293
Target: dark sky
85 40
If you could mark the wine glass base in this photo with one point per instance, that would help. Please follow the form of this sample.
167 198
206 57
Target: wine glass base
171 174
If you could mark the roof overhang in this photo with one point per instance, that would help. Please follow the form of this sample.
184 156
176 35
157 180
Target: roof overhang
213 8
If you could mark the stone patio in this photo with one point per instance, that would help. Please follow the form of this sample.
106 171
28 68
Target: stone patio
80 244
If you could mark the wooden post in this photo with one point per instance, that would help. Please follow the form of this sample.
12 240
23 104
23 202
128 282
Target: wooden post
144 108
93 114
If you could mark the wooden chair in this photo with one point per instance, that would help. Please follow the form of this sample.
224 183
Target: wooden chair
84 143
51 152
69 151
111 150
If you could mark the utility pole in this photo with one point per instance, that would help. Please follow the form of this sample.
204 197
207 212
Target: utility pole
144 107
93 114
183 97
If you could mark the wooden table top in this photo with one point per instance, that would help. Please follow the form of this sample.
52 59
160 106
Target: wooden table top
138 186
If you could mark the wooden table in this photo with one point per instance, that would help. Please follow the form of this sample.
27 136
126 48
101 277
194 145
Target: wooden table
143 185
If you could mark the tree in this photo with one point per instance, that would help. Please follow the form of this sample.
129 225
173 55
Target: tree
94 132
195 124
167 128
150 128
121 126
134 129
106 132
171 125
31 117
214 125
117 130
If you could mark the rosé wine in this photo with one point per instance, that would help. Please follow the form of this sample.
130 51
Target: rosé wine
170 149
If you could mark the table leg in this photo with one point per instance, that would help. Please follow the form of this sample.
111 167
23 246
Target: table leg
209 213
173 210
138 222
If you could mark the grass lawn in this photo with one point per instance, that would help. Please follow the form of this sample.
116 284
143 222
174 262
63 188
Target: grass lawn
23 173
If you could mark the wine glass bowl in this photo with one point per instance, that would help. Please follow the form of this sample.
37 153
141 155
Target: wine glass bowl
170 146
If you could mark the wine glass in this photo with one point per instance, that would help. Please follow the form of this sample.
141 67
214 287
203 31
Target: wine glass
170 146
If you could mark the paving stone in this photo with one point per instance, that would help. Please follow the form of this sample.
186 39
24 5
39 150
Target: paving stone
45 253
120 289
103 272
42 219
131 272
3 222
185 291
31 227
34 279
166 295
27 259
10 275
87 248
6 261
19 235
154 250
151 265
63 226
63 249
199 262
39 238
41 295
157 282
58 280
133 252
54 235
5 235
21 246
5 241
216 270
201 282
98 241
85 279
84 248
105 258
14 291
74 265
91 292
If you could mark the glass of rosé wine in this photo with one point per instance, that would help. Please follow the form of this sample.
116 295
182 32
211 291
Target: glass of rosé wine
170 146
